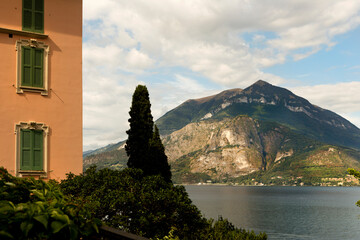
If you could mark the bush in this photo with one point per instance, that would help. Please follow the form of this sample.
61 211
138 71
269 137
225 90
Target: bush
34 209
146 205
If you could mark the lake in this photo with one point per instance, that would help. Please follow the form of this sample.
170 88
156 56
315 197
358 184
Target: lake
284 212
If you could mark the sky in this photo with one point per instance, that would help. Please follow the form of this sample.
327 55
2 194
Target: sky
195 48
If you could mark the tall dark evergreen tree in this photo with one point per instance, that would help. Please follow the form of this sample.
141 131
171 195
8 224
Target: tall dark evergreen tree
158 159
144 147
141 129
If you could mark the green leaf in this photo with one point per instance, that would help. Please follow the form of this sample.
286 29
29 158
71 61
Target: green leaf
10 184
21 207
95 226
6 206
56 226
40 205
60 217
38 194
6 235
74 232
26 227
42 219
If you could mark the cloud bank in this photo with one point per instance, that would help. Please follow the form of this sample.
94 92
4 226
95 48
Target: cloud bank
189 49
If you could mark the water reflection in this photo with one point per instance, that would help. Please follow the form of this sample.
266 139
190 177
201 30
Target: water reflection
284 212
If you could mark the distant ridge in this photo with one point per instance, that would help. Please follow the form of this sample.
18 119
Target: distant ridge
265 101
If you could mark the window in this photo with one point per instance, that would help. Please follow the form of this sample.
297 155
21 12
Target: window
31 67
31 148
33 16
32 64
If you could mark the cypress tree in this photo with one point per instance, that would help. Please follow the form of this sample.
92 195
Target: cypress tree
143 146
141 128
158 159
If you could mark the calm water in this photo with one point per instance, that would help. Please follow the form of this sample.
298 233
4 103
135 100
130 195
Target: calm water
284 212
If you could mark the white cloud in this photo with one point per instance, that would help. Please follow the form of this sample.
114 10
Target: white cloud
205 36
342 98
138 60
126 42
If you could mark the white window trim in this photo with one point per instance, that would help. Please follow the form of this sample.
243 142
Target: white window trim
35 126
32 43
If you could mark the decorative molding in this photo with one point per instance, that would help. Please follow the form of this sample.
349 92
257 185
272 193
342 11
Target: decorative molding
35 44
33 126
23 33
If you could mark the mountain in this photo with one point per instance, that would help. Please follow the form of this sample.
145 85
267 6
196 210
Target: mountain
111 156
242 148
266 102
259 134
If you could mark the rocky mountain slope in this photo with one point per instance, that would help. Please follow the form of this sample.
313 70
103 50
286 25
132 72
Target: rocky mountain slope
266 102
260 134
237 149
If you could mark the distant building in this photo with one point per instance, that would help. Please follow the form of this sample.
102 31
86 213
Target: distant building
41 87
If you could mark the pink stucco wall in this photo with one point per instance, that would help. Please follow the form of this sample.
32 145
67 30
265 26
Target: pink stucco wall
61 110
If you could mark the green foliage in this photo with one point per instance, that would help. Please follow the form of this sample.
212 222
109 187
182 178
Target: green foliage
141 129
40 211
356 174
144 205
144 146
158 162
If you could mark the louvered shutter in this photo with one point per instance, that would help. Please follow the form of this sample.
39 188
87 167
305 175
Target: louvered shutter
38 67
37 163
26 68
39 16
33 15
31 149
27 15
25 149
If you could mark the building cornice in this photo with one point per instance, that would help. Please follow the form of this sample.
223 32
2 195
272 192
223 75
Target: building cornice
23 33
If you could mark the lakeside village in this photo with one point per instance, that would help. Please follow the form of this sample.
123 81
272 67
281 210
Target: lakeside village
348 180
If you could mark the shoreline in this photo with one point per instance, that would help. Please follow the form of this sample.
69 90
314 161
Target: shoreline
238 185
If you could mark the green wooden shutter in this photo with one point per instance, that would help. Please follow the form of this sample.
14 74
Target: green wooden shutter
25 149
27 15
26 68
33 15
38 150
39 16
32 64
38 67
31 149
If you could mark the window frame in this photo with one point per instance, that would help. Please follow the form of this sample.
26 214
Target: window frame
33 13
32 43
45 131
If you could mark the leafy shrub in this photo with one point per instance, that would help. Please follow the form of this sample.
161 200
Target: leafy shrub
34 209
146 205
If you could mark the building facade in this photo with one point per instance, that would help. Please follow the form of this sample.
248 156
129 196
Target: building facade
41 87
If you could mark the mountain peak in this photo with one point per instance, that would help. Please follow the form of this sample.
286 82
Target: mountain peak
262 83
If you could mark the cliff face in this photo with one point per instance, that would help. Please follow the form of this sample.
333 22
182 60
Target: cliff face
230 147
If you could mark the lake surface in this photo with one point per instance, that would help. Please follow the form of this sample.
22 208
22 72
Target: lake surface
284 212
